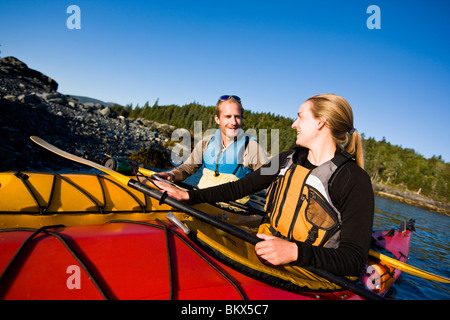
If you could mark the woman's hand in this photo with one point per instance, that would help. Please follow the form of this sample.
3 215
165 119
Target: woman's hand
172 191
275 251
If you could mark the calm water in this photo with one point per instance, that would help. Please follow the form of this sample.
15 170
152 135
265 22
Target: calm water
429 251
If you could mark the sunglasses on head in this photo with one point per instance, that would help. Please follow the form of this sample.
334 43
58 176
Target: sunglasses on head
226 97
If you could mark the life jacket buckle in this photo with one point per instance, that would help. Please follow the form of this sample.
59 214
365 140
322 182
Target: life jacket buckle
313 233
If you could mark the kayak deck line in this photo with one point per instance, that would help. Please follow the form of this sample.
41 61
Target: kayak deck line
57 236
168 230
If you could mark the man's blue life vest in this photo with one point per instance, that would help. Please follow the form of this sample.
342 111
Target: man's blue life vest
229 160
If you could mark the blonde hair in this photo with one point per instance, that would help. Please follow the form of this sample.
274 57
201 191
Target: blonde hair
219 102
339 119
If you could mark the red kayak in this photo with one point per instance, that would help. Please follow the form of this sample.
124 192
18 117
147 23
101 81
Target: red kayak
140 260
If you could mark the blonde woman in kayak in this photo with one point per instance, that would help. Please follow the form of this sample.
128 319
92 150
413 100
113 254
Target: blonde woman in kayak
320 203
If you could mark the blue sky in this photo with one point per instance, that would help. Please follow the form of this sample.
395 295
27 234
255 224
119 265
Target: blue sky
273 54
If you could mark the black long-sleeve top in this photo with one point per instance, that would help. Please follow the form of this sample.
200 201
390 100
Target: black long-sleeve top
351 193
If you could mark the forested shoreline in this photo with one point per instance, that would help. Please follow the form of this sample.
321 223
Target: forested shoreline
387 164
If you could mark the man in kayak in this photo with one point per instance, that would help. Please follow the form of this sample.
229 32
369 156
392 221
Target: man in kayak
320 203
227 155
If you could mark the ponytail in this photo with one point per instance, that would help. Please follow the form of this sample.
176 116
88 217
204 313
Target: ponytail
354 147
339 115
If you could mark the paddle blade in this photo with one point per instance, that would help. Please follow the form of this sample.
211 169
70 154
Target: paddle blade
123 179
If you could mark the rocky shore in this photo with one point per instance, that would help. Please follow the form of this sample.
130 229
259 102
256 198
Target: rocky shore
31 105
411 198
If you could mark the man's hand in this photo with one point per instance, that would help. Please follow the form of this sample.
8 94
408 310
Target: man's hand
168 175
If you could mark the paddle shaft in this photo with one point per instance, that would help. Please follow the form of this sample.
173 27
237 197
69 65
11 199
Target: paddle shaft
200 215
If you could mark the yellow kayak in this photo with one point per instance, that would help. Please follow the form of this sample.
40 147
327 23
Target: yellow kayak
36 199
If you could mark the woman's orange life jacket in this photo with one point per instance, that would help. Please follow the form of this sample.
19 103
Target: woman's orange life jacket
299 203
